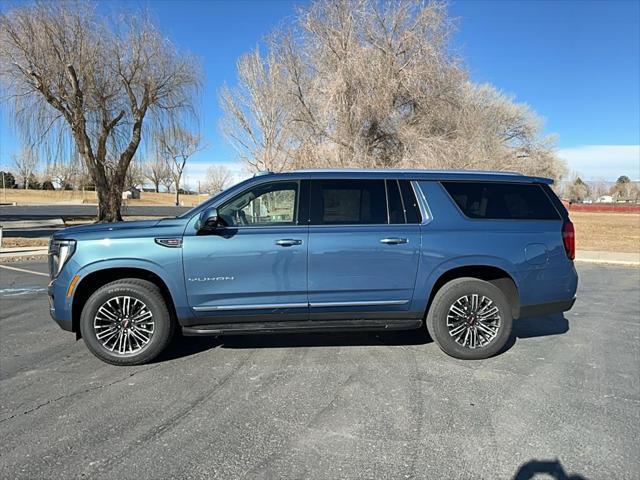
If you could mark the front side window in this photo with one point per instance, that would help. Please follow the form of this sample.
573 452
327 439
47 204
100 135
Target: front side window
264 205
348 202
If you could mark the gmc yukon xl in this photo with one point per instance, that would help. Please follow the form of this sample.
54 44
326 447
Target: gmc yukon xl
460 253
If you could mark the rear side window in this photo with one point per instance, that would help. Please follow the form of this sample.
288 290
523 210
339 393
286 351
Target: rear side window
348 202
502 201
394 202
410 202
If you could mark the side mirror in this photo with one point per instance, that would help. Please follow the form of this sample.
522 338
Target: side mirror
209 219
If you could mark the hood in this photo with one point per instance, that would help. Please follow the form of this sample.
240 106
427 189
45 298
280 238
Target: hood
105 227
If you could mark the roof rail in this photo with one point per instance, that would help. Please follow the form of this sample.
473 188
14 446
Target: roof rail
262 172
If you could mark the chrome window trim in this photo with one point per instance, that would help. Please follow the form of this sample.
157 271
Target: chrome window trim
423 205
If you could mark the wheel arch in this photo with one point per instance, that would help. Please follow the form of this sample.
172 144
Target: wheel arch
100 277
496 275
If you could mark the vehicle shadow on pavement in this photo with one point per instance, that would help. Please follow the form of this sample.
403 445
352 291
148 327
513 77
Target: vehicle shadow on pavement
186 346
537 327
342 339
550 468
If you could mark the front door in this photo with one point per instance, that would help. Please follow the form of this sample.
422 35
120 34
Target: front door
255 267
363 253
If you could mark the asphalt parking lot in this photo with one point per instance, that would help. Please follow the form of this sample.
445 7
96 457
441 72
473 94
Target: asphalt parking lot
563 399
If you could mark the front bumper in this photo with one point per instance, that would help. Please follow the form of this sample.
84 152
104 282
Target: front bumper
59 304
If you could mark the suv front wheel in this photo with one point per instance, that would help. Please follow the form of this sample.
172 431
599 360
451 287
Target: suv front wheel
470 319
126 322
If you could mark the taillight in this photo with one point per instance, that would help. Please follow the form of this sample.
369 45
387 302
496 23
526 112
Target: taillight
569 239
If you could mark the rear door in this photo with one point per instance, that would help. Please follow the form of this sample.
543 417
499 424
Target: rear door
363 252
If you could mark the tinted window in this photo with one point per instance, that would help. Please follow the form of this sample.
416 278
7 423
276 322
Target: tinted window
394 201
346 202
502 200
270 204
410 203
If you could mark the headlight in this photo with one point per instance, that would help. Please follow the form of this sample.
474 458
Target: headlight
60 252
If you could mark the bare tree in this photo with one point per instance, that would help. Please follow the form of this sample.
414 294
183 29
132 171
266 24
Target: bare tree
64 174
176 145
217 179
625 190
256 117
362 83
135 176
598 188
75 78
168 183
25 163
577 190
157 171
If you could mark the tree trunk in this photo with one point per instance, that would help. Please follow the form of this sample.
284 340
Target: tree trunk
109 192
177 179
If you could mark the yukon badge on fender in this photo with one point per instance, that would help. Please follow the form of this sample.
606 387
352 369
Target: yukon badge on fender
209 279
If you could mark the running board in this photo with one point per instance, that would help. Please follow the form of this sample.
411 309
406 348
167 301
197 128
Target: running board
300 326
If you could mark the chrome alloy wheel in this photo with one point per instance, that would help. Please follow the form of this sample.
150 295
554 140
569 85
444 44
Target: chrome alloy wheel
124 325
473 321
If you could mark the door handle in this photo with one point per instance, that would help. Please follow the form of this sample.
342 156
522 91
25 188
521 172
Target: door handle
288 242
394 241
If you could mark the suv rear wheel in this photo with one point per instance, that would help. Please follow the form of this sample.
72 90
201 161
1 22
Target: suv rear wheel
470 319
126 322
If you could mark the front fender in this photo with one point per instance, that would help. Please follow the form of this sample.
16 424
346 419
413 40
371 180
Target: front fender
170 273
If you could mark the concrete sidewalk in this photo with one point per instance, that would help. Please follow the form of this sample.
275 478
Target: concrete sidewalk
612 258
14 253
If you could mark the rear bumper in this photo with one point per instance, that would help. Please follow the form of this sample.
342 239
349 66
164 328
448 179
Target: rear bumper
543 309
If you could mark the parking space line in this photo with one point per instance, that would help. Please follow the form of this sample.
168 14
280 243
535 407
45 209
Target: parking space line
24 271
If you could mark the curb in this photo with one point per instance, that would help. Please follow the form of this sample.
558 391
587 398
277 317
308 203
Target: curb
625 263
16 254
628 259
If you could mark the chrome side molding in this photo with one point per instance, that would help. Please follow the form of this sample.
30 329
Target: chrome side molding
274 306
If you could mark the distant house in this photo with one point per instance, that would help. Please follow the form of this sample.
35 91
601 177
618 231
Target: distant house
605 199
132 193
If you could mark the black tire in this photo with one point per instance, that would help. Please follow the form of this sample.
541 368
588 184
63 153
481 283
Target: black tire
143 291
446 297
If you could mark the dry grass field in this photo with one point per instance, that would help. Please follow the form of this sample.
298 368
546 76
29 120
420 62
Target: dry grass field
607 232
39 197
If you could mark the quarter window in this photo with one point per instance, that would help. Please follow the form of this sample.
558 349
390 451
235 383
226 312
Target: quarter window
501 201
267 204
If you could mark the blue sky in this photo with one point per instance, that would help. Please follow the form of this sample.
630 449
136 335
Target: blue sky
576 63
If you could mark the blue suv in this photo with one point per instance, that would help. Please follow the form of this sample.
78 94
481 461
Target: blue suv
338 250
